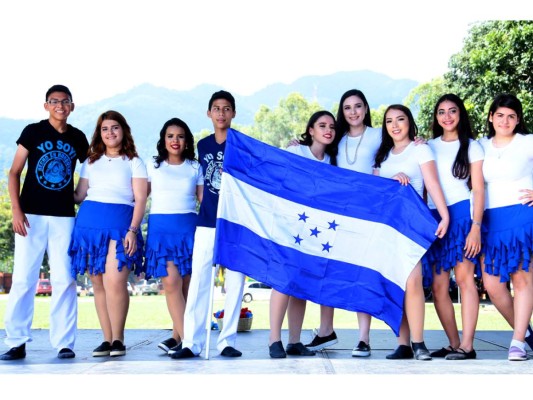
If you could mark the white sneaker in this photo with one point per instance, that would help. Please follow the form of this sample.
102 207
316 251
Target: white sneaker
361 350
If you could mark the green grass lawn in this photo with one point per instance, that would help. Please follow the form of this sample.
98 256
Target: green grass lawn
150 312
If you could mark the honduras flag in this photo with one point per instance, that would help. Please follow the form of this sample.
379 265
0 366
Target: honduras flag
319 232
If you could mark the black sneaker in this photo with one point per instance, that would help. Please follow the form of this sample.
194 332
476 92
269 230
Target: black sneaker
402 352
175 349
103 350
183 353
420 351
276 350
298 349
319 342
361 350
117 349
229 351
14 353
166 345
66 353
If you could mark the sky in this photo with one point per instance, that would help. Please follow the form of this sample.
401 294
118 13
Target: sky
100 48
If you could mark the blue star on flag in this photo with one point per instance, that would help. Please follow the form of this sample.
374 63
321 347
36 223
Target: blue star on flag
314 232
297 239
303 217
326 247
333 225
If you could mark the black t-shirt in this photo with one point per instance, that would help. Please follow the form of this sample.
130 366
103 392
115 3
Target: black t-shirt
49 184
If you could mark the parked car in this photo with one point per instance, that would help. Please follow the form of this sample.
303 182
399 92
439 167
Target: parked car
148 287
256 291
131 291
90 291
44 287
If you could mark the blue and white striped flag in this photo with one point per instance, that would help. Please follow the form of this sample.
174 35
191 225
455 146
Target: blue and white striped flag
319 232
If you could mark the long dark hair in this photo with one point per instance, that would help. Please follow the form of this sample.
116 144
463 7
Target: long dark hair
162 152
97 146
342 126
307 139
508 101
386 141
461 165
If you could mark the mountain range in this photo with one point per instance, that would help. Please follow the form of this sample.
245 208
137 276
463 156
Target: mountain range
147 107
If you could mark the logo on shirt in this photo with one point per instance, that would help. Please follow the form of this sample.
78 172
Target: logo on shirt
213 176
54 170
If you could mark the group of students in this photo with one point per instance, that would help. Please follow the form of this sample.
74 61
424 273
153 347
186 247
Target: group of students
479 192
104 239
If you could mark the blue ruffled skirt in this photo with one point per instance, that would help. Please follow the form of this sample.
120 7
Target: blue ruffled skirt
170 238
96 224
507 239
445 253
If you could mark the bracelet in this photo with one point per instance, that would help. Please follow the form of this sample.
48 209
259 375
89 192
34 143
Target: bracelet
133 229
476 223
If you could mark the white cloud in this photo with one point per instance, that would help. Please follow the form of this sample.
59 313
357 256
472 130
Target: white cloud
103 47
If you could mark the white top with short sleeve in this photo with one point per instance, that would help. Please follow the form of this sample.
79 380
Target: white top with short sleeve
408 162
455 189
110 179
305 151
173 187
366 153
507 170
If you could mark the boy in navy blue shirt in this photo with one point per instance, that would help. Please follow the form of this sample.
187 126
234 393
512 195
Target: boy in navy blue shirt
221 110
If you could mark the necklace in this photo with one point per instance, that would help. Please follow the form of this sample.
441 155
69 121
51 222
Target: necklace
500 148
356 149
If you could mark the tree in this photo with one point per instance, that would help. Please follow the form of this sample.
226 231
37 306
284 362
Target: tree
497 57
377 116
287 121
421 101
7 236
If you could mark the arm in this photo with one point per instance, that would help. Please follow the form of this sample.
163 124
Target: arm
402 178
431 180
527 197
293 142
200 193
473 240
140 190
80 193
20 222
420 140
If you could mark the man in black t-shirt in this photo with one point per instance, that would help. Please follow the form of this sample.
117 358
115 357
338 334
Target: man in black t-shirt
43 219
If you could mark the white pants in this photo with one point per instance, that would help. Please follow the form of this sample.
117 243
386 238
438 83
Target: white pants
50 234
200 288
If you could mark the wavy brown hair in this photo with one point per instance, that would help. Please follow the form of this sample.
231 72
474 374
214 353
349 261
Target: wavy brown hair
97 146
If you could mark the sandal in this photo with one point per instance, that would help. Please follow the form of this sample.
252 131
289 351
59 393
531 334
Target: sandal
442 353
461 354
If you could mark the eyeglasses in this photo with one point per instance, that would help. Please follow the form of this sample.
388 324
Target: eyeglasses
55 102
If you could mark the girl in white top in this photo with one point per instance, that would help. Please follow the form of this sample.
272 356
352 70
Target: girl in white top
357 143
508 219
398 158
459 160
107 236
316 144
175 183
